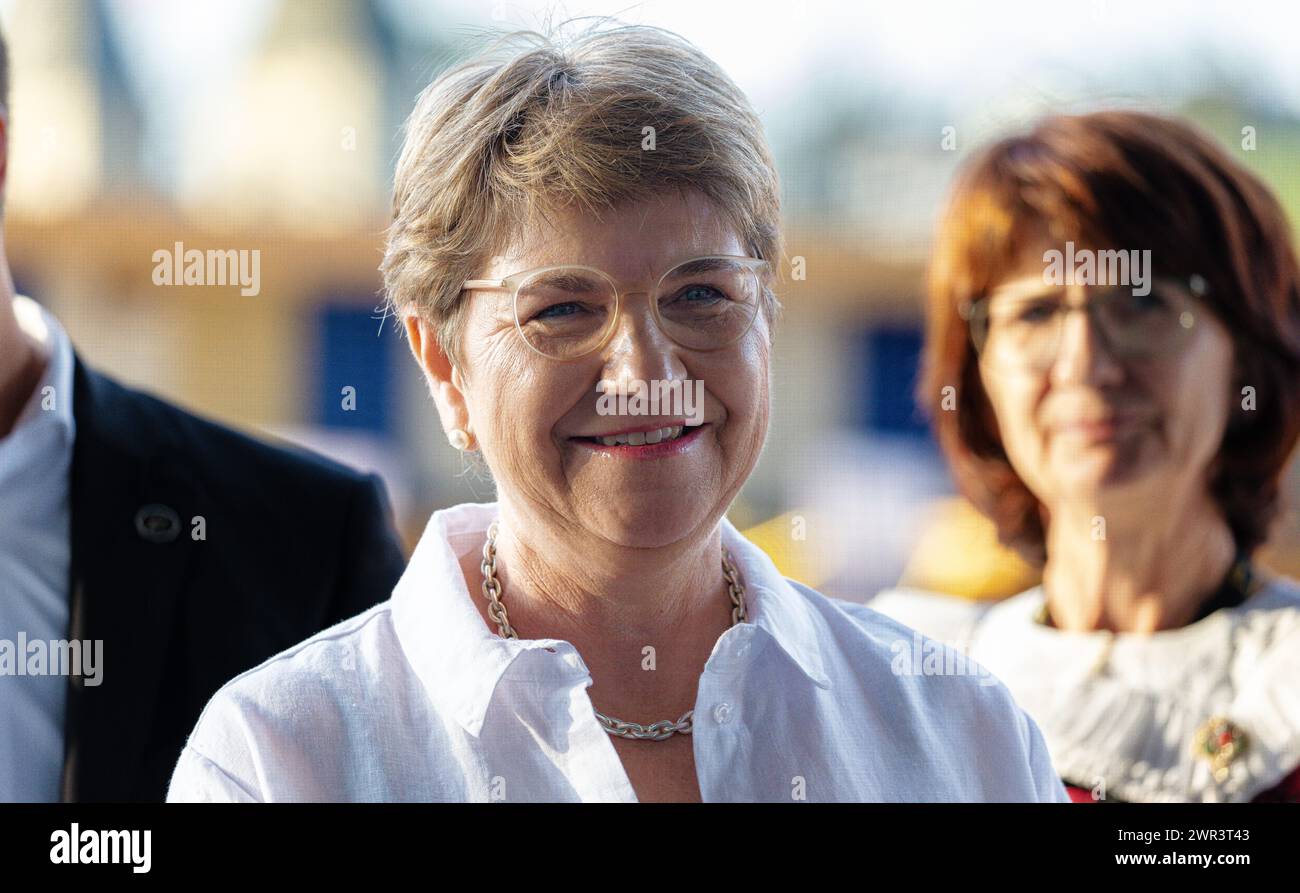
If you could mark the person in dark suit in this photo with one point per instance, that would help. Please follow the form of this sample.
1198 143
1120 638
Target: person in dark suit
148 556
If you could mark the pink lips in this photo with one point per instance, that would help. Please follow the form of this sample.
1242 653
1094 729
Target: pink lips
1098 429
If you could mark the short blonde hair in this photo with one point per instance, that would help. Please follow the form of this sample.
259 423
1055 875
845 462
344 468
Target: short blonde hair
538 123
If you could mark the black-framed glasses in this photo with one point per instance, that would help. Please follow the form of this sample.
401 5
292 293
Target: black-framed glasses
567 311
1017 330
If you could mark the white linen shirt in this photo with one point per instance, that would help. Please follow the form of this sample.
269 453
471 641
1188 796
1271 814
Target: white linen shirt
418 700
35 567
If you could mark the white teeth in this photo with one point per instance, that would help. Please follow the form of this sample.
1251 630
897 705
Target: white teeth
640 438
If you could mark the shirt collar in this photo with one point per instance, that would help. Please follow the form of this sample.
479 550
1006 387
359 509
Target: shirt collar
776 608
40 325
460 661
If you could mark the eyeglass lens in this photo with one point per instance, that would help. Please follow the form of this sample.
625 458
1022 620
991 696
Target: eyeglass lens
1027 330
703 304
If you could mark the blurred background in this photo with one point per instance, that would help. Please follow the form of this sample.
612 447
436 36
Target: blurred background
274 124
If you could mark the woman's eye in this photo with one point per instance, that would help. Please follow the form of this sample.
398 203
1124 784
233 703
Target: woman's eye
1036 313
700 294
1149 303
559 311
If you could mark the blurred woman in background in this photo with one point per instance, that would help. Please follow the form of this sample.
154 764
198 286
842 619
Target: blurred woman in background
1113 370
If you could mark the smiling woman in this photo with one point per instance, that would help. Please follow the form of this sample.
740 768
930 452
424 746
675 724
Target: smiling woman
629 644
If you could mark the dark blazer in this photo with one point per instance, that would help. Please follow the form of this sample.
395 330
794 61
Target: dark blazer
289 544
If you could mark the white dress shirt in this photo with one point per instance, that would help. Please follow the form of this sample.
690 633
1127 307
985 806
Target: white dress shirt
35 567
417 699
1122 712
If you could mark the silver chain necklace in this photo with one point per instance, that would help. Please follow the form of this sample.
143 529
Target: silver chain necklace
657 731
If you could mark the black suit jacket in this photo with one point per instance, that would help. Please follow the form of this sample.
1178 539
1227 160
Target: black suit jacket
287 544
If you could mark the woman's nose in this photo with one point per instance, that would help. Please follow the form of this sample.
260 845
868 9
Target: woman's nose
1083 355
639 349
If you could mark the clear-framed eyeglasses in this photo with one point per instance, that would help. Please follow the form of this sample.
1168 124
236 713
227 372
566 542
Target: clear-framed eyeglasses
1015 330
568 311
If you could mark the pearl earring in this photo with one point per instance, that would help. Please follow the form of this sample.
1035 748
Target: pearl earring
458 438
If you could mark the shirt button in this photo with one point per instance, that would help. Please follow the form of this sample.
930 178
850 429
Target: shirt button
722 713
157 523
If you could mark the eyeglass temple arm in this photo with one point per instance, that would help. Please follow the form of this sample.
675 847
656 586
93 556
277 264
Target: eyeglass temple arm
484 283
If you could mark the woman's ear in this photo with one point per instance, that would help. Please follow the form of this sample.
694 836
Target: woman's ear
444 379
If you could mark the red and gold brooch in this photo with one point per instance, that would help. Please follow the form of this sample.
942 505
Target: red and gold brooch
1219 741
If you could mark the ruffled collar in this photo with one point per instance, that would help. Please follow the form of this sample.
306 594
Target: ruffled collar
1123 713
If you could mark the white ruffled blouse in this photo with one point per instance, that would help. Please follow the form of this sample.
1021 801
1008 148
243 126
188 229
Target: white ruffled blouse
1122 712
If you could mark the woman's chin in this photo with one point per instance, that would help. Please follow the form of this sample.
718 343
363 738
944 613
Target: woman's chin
1080 462
649 520
1102 477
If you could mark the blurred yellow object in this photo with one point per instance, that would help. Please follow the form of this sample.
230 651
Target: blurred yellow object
784 539
958 553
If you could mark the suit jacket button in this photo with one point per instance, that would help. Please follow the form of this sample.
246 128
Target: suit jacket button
157 523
